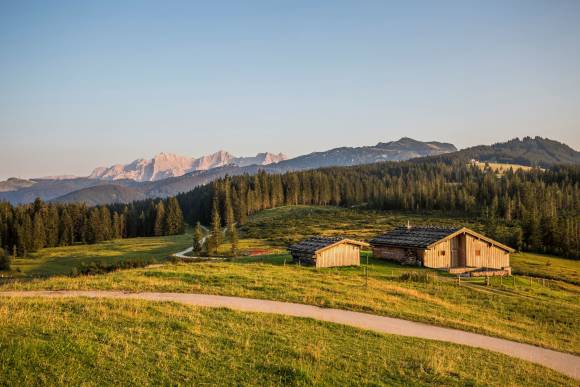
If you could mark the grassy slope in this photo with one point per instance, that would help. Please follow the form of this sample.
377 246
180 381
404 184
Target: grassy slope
537 265
98 342
538 315
61 260
288 224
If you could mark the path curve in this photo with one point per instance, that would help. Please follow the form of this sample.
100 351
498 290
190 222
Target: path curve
565 363
183 254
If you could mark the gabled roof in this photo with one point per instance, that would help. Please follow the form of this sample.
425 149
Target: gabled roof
316 244
413 236
426 237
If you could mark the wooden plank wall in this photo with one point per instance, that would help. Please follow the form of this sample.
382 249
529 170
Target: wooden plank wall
490 256
341 255
390 253
433 258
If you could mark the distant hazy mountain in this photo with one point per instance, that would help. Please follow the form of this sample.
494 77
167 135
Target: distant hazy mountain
102 194
14 184
167 175
536 151
403 149
165 165
52 189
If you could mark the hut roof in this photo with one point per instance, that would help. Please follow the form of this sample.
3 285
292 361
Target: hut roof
315 244
413 236
425 237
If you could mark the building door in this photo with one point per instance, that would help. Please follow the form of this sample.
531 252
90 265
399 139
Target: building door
455 256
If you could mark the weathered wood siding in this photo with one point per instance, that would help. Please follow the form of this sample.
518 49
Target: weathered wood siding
343 254
390 253
489 255
438 256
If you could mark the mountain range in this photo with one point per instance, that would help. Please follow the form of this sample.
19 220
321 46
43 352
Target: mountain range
167 174
165 165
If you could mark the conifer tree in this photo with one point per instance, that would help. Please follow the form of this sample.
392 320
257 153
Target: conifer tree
38 234
174 218
51 226
197 238
117 226
106 224
215 238
66 231
159 227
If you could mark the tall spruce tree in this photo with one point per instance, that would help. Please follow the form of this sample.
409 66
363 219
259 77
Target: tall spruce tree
215 238
197 238
38 234
159 227
174 218
66 230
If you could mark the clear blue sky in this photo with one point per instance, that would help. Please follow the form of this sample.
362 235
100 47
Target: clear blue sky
89 83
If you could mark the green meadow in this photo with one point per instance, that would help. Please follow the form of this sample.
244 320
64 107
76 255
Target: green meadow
103 342
543 313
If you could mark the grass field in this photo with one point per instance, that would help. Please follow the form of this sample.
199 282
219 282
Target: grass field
61 260
103 342
537 265
545 316
538 315
502 168
284 225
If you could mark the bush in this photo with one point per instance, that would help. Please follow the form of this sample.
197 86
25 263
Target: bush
5 261
94 268
417 276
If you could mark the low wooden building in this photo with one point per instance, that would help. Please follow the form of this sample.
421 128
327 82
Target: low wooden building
458 249
327 252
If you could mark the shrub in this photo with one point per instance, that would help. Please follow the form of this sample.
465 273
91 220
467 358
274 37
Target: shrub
93 268
417 276
5 261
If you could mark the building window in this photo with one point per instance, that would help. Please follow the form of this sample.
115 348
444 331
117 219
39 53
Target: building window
478 253
442 253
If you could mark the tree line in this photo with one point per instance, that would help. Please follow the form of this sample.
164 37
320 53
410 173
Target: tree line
540 208
29 227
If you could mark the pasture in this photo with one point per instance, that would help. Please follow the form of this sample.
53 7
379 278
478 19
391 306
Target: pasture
102 342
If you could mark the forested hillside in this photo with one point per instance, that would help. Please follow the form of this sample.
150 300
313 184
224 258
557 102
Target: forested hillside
536 151
540 207
29 227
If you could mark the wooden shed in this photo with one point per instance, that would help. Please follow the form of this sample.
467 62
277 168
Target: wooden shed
327 252
457 249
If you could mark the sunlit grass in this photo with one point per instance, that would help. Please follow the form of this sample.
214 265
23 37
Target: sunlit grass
61 260
103 342
533 314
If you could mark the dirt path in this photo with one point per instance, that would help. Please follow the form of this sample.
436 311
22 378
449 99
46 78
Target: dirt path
565 363
183 254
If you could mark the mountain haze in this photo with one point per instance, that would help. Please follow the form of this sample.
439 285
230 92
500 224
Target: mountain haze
529 151
167 175
400 150
166 165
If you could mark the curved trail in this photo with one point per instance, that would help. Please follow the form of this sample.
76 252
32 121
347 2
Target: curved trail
565 363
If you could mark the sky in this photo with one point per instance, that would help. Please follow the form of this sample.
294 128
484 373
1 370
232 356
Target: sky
94 83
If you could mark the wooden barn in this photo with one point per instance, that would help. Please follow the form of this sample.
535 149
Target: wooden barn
327 252
459 250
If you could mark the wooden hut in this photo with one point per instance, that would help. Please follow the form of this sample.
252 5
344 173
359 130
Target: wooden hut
327 252
456 249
